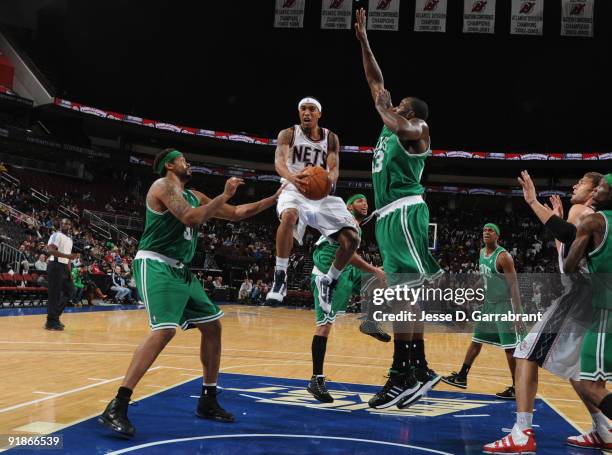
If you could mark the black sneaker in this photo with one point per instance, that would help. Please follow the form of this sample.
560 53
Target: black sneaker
115 417
399 386
318 389
279 288
456 380
54 326
325 288
374 329
427 379
508 394
209 408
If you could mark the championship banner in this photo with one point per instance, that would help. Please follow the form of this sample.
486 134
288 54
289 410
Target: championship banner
577 17
383 15
430 16
527 17
336 14
289 14
478 16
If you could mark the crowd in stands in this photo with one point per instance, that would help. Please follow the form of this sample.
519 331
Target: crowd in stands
247 247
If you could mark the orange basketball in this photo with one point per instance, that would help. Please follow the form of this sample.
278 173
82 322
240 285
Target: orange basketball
317 183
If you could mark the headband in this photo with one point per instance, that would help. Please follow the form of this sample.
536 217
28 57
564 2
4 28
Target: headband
353 198
492 226
608 178
168 158
310 100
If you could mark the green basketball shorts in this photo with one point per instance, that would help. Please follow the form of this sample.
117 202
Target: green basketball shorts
496 333
402 234
172 296
596 352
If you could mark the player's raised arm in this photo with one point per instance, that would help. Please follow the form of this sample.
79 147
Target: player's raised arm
240 212
171 197
283 149
333 158
406 129
370 66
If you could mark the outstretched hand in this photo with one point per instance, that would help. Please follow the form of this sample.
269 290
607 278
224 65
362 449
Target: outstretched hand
360 25
529 191
557 205
231 185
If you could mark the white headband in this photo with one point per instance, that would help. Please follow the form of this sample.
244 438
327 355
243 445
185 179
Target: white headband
309 100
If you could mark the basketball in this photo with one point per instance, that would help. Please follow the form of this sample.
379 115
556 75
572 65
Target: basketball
317 183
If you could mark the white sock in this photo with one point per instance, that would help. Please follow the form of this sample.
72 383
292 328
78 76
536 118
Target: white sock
282 263
333 273
518 436
523 420
212 384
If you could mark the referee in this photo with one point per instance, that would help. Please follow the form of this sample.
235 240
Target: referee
59 277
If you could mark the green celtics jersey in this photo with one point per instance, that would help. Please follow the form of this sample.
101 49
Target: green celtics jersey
165 234
600 264
496 288
395 172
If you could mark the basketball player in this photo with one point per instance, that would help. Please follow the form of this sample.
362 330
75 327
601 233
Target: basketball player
172 294
500 283
593 242
403 222
307 144
349 284
554 342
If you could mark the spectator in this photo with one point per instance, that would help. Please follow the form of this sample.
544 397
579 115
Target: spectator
41 264
245 289
218 283
79 286
209 285
123 293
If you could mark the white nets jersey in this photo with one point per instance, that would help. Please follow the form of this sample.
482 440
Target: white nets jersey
307 152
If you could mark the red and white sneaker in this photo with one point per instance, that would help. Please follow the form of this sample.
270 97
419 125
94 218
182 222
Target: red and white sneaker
590 440
508 445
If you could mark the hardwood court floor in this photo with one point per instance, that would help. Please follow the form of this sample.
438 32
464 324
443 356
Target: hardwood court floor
54 379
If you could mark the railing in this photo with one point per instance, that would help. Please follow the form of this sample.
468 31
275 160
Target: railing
11 255
106 228
45 198
8 178
133 223
20 216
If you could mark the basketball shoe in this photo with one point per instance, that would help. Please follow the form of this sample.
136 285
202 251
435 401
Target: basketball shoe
325 288
318 389
209 408
400 386
517 442
115 417
590 440
455 379
279 288
374 329
427 379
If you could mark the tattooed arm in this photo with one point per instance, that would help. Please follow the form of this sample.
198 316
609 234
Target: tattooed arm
165 194
333 158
